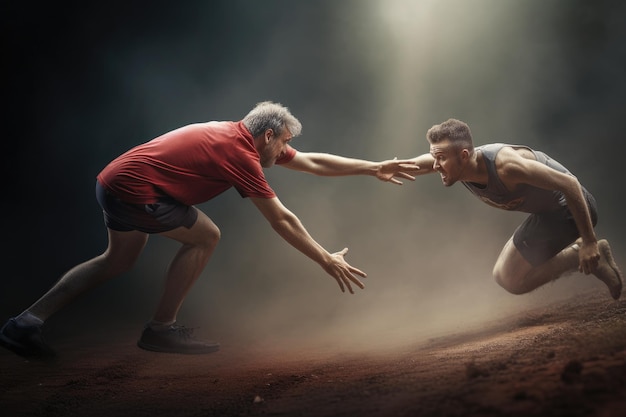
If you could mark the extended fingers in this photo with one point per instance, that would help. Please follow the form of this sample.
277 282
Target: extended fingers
346 279
343 283
406 176
347 282
356 281
345 274
349 277
358 272
340 282
408 166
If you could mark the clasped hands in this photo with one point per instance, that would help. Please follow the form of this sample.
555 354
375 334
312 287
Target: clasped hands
392 169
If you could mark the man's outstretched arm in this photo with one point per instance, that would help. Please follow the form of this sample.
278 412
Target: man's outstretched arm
333 165
289 227
425 163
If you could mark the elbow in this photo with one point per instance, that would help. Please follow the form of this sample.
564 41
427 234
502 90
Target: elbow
573 187
284 222
567 184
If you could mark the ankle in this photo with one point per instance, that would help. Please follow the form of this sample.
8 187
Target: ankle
28 319
160 326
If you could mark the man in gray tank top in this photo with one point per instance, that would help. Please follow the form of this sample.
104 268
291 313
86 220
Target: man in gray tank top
557 237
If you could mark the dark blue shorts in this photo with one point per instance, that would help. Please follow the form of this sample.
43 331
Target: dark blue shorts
167 214
542 235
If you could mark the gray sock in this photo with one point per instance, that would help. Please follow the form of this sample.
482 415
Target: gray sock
158 326
28 319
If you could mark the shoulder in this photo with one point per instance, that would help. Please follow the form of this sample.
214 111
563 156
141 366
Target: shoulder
512 162
288 155
515 155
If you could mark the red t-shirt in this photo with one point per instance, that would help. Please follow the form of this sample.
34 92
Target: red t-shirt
191 164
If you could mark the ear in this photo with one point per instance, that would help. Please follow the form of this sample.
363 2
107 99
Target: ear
465 154
267 136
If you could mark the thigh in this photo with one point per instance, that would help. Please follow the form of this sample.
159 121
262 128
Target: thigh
203 231
511 264
166 214
541 236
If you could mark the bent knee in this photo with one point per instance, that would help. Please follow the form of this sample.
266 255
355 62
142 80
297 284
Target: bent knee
209 238
213 236
116 265
510 283
204 234
123 267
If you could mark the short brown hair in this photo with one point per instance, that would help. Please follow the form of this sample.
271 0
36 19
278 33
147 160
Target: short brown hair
456 131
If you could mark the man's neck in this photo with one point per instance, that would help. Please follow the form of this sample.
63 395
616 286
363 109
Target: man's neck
475 171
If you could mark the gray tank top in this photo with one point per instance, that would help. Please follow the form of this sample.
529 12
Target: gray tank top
525 197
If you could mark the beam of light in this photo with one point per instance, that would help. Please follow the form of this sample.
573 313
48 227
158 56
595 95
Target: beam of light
421 62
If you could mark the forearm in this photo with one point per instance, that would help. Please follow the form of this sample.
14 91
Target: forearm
291 229
425 163
580 212
333 165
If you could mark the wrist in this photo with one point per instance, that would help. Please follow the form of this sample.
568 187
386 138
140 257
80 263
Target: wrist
589 240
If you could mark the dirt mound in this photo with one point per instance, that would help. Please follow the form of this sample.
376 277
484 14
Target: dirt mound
566 359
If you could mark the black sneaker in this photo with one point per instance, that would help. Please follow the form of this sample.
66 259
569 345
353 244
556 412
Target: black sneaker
176 339
26 341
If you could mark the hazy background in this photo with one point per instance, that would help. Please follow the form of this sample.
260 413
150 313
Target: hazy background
85 82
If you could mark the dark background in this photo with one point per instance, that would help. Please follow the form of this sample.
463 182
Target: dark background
85 81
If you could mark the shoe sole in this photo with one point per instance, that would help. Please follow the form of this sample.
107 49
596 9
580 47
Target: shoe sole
12 346
606 252
20 350
155 348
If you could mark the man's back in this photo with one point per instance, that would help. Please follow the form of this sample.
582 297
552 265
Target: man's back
522 197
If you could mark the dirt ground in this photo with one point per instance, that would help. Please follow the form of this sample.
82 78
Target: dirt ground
566 359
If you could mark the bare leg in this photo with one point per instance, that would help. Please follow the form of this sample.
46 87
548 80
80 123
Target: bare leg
22 334
516 275
199 242
123 250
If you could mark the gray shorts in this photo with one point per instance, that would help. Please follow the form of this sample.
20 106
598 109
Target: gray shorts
542 235
167 214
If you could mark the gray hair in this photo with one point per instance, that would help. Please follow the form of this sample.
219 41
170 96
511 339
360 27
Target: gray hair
269 115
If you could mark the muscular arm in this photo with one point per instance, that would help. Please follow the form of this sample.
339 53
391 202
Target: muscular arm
514 169
325 164
289 227
425 163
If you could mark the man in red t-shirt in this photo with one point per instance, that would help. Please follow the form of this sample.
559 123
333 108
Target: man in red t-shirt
152 189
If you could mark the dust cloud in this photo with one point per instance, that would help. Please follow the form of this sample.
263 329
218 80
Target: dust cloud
366 79
428 251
